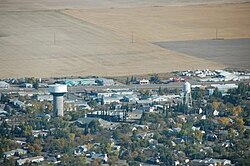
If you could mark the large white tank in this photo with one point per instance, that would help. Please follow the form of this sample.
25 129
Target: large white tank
187 87
57 88
58 91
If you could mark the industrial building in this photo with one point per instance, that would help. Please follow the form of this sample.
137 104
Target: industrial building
4 84
77 82
105 82
223 88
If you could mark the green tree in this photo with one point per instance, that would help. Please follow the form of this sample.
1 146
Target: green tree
217 93
94 126
242 89
197 94
66 160
155 79
36 84
106 148
80 160
160 91
198 135
127 81
27 130
9 161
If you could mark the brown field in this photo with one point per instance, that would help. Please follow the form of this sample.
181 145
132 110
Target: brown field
154 24
97 41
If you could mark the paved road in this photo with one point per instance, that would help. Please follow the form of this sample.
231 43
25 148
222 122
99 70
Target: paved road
172 85
88 88
133 87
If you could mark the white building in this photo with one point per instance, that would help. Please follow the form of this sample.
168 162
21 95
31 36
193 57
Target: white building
224 87
109 100
4 85
36 159
130 98
44 97
27 85
160 98
144 82
16 151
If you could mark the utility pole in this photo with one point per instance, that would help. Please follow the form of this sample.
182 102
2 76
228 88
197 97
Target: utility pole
216 33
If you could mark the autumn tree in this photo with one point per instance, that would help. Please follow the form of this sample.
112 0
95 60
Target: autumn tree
224 121
237 110
198 135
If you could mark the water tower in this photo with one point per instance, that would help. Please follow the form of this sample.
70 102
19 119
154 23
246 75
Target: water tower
187 98
58 91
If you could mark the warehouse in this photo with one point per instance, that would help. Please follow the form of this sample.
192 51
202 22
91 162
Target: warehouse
4 84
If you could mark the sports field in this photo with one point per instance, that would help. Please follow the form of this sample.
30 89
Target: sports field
107 38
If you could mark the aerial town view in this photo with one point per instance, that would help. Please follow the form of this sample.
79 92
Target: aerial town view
125 82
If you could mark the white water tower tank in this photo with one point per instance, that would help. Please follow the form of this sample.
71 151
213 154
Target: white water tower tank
187 88
58 91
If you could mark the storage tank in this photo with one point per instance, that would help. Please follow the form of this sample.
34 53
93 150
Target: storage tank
58 91
187 87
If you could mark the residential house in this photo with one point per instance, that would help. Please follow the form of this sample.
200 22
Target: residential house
15 152
36 159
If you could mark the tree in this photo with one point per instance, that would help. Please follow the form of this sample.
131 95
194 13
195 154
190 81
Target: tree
221 107
242 89
186 129
215 105
112 159
132 79
9 161
80 160
66 160
106 148
239 125
217 93
141 157
146 94
86 129
198 135
224 121
35 148
127 81
3 98
231 133
36 84
27 130
97 162
160 91
229 108
155 79
58 122
71 137
94 126
237 110
197 94
92 103
4 129
6 108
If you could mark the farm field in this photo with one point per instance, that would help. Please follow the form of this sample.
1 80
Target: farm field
173 23
46 40
231 52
